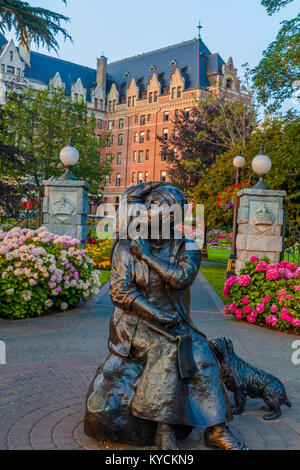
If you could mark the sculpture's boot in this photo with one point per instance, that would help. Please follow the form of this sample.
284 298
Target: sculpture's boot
165 437
220 437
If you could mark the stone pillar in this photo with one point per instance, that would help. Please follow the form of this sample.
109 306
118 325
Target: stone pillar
260 219
65 207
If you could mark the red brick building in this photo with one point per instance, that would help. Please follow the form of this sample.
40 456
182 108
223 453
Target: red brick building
143 95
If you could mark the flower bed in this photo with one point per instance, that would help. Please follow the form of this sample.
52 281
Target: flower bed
99 251
41 273
266 294
219 238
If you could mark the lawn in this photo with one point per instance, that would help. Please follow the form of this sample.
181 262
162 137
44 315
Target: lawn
105 275
215 275
218 255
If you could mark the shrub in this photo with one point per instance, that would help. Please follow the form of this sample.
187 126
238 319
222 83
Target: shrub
266 293
41 273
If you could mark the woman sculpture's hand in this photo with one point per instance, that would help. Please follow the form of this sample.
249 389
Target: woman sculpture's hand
139 247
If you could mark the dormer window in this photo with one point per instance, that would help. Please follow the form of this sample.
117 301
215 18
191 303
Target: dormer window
229 83
11 56
126 74
173 62
152 68
96 103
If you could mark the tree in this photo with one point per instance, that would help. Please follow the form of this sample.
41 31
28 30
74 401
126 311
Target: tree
274 5
38 24
279 137
40 123
212 127
276 73
13 186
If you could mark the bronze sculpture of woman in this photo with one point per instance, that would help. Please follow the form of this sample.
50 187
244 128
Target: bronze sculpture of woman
161 377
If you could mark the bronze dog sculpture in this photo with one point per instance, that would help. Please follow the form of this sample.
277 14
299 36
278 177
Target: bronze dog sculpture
245 380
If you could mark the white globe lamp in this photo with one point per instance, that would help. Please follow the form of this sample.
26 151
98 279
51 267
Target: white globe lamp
69 156
261 165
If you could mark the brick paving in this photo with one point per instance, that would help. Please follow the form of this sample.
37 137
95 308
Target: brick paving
42 408
42 396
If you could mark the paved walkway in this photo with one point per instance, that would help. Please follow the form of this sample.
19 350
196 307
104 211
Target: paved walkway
50 362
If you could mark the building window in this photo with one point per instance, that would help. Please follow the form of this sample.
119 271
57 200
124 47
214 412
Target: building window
229 83
2 68
165 134
109 125
147 154
133 178
187 113
176 113
163 156
121 123
179 92
150 97
11 56
99 124
96 103
142 120
133 100
18 71
108 143
142 137
175 152
149 117
136 119
109 106
119 158
106 180
148 135
118 179
120 139
114 105
140 177
166 116
155 96
141 156
107 159
99 140
101 105
135 137
10 69
134 156
146 176
163 175
129 101
173 93
175 131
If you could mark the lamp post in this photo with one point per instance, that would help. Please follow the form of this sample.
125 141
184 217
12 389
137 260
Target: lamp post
238 162
261 164
69 156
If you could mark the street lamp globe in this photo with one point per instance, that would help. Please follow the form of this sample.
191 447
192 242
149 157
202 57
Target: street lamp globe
261 165
239 161
69 156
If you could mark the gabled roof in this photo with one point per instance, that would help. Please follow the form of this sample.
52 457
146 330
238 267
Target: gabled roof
184 56
44 67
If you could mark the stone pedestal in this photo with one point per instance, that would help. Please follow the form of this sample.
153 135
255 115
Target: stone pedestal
65 207
260 219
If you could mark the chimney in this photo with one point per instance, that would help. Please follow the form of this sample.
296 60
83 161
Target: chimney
24 50
101 71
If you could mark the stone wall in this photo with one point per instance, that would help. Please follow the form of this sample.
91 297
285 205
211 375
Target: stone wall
260 219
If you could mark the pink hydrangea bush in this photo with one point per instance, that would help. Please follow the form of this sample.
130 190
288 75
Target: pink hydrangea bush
41 273
265 293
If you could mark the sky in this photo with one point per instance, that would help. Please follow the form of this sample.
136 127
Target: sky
119 29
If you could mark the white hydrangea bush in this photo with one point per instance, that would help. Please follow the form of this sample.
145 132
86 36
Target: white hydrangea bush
42 273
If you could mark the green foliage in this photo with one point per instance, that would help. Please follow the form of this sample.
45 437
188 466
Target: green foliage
279 67
274 5
280 139
38 24
41 124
